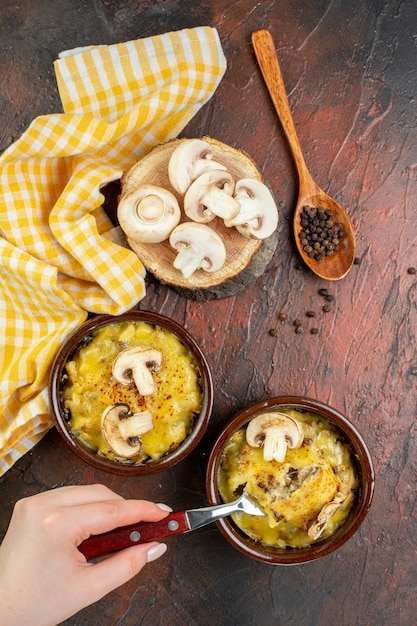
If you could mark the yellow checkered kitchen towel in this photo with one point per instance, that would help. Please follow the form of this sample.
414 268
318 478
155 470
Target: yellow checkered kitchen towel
60 256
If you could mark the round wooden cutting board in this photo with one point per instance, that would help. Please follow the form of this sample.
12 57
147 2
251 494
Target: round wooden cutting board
246 259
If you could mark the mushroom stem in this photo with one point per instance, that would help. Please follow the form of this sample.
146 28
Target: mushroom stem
136 424
249 212
144 380
209 195
258 216
122 429
219 203
150 208
276 432
275 445
138 363
189 260
198 247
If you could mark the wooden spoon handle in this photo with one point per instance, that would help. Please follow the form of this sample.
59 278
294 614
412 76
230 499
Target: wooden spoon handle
266 56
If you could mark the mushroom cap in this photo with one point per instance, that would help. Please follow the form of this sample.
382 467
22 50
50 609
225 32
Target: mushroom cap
138 363
122 430
274 431
190 159
209 195
148 213
199 247
258 216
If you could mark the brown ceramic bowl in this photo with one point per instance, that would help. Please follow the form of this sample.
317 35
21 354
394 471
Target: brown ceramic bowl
361 459
61 419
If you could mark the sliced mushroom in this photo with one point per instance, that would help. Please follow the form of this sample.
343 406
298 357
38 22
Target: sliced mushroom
148 213
138 363
275 432
317 528
122 429
258 216
209 195
199 247
190 159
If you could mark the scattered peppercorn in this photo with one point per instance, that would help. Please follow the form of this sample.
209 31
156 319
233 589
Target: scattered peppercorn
273 332
310 314
326 308
412 270
282 317
299 330
329 298
323 292
356 261
314 331
320 234
298 323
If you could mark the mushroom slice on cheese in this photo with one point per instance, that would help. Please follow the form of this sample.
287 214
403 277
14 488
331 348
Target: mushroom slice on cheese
319 525
258 215
190 159
211 195
122 429
138 363
148 213
274 431
199 247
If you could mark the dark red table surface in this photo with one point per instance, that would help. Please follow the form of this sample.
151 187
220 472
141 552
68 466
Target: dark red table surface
350 70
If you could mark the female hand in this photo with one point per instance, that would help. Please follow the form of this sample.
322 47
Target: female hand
44 579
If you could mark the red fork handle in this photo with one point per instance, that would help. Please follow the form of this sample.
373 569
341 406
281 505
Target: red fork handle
120 538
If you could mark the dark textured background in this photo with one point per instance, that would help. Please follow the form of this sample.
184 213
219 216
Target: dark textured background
350 71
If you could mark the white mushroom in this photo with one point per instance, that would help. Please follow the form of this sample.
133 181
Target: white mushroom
138 363
275 432
199 247
258 216
190 159
122 429
316 529
209 195
148 213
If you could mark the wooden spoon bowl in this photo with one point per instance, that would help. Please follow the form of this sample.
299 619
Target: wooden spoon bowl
310 194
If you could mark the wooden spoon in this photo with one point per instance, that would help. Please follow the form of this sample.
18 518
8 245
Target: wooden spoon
330 267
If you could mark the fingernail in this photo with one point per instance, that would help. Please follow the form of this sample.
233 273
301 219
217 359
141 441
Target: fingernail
156 551
164 507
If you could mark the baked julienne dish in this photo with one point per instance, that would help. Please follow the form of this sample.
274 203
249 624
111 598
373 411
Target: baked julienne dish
299 468
132 392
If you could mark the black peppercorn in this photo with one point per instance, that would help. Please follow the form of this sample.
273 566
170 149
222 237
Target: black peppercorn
319 227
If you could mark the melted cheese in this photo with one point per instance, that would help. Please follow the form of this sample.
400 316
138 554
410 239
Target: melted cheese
91 388
291 493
